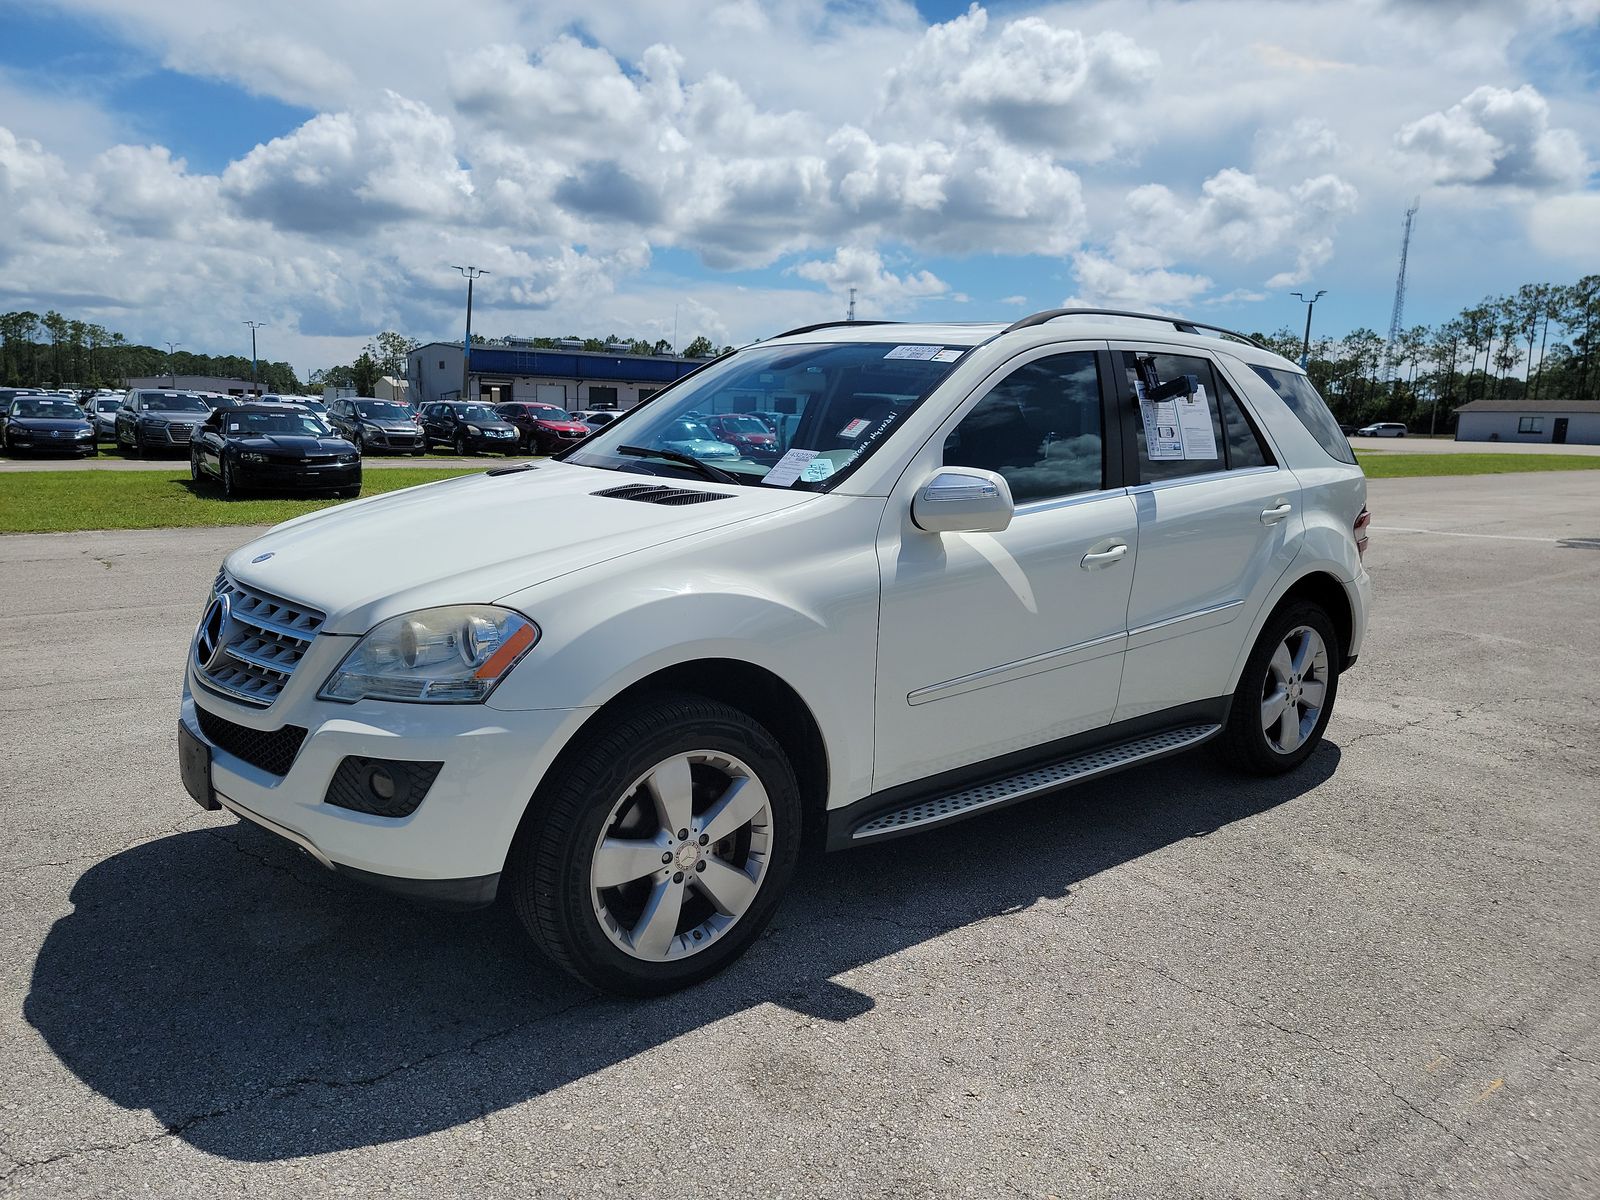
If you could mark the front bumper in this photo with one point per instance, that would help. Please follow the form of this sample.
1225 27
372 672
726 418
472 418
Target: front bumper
494 443
388 439
294 476
452 848
46 442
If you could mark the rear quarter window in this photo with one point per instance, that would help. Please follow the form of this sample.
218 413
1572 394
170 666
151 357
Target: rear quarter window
1295 390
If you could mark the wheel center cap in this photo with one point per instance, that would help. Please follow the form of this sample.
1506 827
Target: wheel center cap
688 854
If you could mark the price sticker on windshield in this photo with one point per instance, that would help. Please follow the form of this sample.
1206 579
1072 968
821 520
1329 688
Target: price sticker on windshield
788 468
920 352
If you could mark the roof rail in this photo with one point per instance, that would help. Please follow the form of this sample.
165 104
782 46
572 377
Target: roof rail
1178 323
828 325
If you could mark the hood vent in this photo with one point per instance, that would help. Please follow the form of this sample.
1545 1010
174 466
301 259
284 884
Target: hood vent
650 493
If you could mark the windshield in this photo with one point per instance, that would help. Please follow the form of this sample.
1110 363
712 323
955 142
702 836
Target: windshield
156 402
548 412
830 407
478 412
44 406
111 404
387 410
253 424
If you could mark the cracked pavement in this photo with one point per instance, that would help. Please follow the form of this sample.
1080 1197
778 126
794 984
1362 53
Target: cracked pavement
1375 978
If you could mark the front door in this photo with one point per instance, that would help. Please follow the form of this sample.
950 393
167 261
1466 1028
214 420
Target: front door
1559 435
991 643
1217 525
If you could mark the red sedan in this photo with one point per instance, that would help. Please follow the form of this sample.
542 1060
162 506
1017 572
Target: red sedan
544 427
749 435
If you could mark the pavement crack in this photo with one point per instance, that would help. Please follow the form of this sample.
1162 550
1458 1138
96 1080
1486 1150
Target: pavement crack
278 868
292 1086
1259 1014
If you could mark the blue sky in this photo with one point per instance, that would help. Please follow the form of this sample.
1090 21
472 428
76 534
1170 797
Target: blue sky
735 166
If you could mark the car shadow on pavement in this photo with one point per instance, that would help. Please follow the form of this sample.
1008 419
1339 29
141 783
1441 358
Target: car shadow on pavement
261 1008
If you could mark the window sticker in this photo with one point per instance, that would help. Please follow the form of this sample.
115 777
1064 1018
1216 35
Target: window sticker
787 469
817 470
855 429
1194 425
1163 439
919 352
948 355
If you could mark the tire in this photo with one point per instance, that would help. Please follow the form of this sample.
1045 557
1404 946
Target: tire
463 450
194 468
600 788
349 493
1254 740
419 453
135 447
230 490
361 446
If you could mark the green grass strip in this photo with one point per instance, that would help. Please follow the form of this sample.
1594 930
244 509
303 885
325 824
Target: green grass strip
1391 465
60 501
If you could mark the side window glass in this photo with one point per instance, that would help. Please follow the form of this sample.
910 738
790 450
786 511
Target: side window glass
1141 367
1245 448
1039 427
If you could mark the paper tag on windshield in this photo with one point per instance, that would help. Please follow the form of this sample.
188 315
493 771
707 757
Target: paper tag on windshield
947 355
1195 428
817 470
855 429
787 469
922 352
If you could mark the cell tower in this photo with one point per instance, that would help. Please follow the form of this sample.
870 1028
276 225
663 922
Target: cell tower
1391 363
852 314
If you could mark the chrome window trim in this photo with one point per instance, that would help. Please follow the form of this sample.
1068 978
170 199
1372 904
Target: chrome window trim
1207 477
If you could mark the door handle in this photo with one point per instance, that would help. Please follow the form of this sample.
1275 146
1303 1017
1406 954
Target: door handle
1105 558
1272 516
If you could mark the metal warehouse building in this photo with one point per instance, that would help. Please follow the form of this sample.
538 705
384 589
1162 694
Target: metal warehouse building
1574 421
572 379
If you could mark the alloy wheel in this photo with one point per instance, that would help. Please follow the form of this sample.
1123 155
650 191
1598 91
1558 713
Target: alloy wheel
1294 690
681 856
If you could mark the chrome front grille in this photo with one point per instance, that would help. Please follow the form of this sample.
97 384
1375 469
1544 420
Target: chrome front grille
259 645
180 435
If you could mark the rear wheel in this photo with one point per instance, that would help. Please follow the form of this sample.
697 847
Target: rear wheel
1286 692
659 848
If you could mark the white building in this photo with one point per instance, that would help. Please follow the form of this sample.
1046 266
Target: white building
518 370
1558 421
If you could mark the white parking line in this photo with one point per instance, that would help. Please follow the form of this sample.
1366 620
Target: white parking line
1504 537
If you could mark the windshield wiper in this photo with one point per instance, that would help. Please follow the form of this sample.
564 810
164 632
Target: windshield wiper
706 470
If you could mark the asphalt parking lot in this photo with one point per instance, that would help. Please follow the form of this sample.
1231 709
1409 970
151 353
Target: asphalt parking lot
1377 977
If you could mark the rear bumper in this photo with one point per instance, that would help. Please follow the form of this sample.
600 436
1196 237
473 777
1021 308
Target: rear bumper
1359 591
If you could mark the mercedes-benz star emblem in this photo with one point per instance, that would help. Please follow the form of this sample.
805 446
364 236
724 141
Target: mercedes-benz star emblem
211 639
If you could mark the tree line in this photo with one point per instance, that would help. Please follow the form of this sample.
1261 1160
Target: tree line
56 351
1548 330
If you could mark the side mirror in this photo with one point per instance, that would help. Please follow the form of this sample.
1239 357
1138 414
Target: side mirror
963 500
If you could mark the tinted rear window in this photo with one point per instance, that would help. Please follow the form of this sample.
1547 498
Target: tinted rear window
1296 391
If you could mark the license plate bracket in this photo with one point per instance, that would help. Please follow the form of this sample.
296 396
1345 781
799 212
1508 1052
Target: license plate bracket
194 764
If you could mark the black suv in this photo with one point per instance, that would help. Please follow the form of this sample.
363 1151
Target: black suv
469 428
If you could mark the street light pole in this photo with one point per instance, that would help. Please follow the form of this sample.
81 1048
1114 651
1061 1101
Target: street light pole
1311 304
254 325
466 343
172 367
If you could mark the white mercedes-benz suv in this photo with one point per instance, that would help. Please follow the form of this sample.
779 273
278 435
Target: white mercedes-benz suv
624 686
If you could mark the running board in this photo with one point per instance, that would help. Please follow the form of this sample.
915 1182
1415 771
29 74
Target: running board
1000 792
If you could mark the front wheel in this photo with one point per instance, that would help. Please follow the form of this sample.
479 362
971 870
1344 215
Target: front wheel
659 848
462 449
1285 694
194 467
230 489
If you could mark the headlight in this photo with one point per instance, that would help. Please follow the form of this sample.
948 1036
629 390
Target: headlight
474 429
450 655
153 422
369 427
250 456
85 433
349 458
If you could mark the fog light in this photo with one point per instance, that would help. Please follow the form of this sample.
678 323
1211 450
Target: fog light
382 784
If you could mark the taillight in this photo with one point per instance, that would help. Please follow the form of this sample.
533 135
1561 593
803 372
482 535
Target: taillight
1360 530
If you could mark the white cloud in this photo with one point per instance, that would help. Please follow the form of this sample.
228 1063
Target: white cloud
1495 137
878 289
1105 283
1567 228
1030 82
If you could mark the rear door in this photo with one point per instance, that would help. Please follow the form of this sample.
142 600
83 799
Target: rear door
1218 526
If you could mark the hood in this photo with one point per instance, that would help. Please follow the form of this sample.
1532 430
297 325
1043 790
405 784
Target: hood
564 426
754 439
67 424
495 424
186 418
390 426
291 445
476 538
